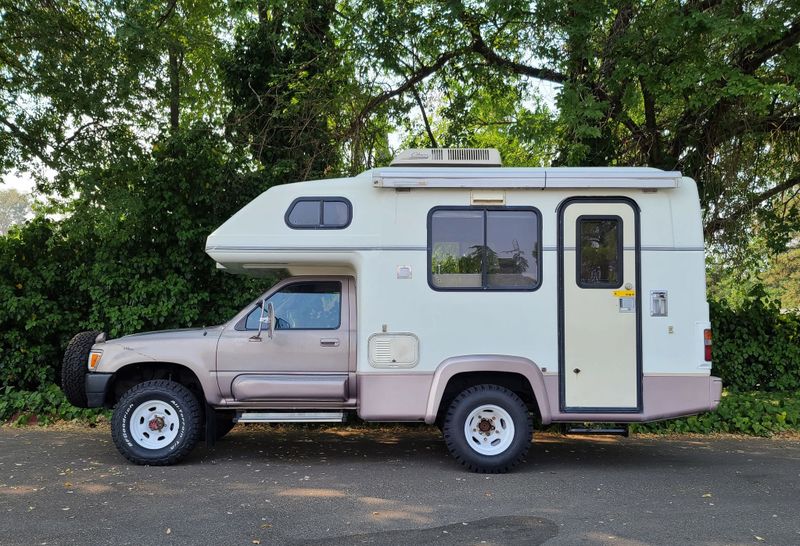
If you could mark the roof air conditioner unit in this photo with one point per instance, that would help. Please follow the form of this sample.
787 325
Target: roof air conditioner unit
448 157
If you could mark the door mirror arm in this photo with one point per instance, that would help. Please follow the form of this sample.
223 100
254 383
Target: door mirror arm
258 337
271 319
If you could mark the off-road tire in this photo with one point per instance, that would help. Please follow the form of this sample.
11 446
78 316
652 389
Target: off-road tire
459 411
74 368
188 414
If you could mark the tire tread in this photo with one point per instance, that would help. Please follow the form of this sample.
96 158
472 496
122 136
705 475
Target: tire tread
192 411
452 428
74 368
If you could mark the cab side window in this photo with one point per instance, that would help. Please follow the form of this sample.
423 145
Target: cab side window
314 305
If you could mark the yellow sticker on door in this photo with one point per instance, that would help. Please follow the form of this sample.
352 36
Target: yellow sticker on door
624 293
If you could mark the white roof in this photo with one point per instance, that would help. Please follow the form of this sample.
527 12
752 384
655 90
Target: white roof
524 177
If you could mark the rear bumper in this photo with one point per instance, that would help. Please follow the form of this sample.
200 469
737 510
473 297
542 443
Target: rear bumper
97 388
715 392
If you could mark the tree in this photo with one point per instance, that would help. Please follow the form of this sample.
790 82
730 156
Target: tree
706 87
82 82
287 82
14 207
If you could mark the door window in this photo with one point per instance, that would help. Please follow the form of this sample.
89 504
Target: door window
304 306
599 251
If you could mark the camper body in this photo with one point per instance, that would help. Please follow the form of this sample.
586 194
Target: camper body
468 296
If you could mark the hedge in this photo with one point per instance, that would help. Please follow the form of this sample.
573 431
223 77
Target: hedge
756 346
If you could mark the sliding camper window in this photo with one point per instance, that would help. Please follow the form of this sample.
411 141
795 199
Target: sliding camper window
319 213
599 253
484 248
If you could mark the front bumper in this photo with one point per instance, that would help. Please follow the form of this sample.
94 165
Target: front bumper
97 388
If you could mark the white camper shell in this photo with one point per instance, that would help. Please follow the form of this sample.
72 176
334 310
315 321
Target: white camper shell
580 289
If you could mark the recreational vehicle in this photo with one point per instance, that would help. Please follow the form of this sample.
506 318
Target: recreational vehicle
442 289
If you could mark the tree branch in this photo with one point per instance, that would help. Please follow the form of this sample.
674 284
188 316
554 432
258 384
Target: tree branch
717 224
29 143
421 73
699 5
424 117
753 59
166 15
480 47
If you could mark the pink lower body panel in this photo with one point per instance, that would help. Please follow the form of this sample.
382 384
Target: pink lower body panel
663 397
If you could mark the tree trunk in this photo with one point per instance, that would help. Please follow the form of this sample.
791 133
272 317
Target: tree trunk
175 62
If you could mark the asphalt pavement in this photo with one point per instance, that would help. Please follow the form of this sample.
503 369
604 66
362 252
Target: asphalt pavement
397 485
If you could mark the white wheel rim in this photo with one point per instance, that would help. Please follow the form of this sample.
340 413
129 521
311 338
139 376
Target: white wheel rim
489 429
154 424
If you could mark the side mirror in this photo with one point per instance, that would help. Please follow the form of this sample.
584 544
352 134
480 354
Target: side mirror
267 317
271 319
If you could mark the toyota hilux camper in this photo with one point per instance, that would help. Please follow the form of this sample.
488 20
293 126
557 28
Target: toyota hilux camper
443 288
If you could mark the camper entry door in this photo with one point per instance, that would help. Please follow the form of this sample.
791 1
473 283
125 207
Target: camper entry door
599 330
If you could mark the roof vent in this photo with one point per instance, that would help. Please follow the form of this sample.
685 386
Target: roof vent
448 157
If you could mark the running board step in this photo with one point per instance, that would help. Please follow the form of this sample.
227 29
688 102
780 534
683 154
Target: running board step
615 431
290 417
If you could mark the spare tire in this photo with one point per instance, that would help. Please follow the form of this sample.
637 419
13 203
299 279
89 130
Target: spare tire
74 367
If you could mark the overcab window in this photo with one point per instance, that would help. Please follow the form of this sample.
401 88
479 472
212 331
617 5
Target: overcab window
319 213
484 248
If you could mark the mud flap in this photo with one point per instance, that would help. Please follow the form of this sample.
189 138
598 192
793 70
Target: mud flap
211 426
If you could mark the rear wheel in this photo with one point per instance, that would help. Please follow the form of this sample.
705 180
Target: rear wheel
156 423
488 428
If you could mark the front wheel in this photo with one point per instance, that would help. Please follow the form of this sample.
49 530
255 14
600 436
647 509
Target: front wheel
488 428
156 423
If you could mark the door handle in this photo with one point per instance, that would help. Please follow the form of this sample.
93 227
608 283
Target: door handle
329 342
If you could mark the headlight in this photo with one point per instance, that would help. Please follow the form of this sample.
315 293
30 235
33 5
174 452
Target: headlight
94 360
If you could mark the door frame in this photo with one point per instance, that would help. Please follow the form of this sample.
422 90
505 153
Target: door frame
348 305
561 311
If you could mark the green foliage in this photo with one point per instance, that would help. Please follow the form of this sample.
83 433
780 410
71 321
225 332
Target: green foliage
42 307
44 406
755 345
287 84
14 206
127 258
755 413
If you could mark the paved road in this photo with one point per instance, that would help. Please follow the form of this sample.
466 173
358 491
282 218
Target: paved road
397 486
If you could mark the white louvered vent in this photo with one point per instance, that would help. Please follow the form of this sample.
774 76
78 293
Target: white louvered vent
448 157
468 154
382 351
393 350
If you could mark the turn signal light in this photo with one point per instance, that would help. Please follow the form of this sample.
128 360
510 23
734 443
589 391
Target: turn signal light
94 360
707 343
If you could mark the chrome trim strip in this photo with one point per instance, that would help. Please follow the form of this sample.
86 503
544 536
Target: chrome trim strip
651 248
410 249
314 248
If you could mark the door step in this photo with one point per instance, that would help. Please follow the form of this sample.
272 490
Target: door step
290 417
608 431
